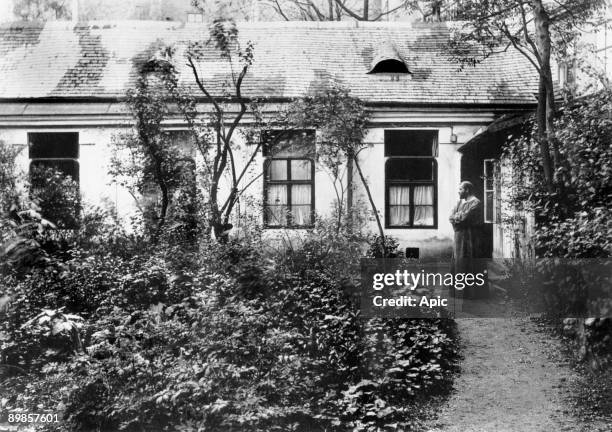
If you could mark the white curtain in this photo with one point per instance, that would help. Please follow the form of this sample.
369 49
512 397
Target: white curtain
399 205
300 170
277 204
277 169
301 199
423 205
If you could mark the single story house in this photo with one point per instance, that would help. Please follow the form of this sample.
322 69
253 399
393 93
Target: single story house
62 89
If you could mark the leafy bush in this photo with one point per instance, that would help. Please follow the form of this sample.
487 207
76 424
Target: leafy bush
573 221
57 195
224 337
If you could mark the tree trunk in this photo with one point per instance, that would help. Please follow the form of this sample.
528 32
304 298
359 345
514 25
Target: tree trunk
165 201
550 118
545 110
541 133
367 188
349 190
215 214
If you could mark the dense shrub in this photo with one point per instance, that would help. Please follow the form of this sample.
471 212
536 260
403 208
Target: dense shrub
57 195
225 337
573 221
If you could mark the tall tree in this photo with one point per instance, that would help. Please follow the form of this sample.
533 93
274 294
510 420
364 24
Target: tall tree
215 135
535 28
41 10
149 163
342 122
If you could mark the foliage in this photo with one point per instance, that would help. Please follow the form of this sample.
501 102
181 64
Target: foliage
116 330
57 195
8 177
535 29
337 10
154 158
35 10
22 226
151 164
21 234
342 120
226 337
574 222
215 137
377 250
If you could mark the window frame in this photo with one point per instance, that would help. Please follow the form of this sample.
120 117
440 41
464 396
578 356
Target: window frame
495 201
72 159
289 182
75 160
412 183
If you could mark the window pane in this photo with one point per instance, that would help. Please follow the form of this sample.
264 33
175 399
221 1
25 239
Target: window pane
301 194
399 195
276 215
300 214
488 207
58 198
423 195
399 215
289 144
277 195
277 169
410 169
410 142
54 145
66 167
423 215
300 170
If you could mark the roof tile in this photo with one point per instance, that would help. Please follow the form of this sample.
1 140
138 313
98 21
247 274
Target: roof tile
98 59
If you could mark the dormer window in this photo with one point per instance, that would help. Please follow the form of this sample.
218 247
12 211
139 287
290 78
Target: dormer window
195 17
389 65
388 60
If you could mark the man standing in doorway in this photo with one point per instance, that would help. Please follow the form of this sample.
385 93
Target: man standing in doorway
466 219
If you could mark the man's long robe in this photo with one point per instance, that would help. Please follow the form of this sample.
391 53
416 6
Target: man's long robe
467 219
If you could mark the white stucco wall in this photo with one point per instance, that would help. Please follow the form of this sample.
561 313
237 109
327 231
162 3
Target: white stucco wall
96 186
430 241
453 131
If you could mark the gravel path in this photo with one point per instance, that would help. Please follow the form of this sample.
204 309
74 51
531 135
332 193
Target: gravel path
513 379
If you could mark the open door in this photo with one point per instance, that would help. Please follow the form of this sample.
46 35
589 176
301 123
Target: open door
480 166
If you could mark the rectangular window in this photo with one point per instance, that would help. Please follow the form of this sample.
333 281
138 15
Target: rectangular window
289 179
411 178
195 18
54 175
492 207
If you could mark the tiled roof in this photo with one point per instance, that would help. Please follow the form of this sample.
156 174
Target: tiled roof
96 59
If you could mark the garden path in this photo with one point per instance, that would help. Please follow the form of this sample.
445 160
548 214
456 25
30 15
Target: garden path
513 378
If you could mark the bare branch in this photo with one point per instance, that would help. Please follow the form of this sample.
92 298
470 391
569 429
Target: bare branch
348 11
201 86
